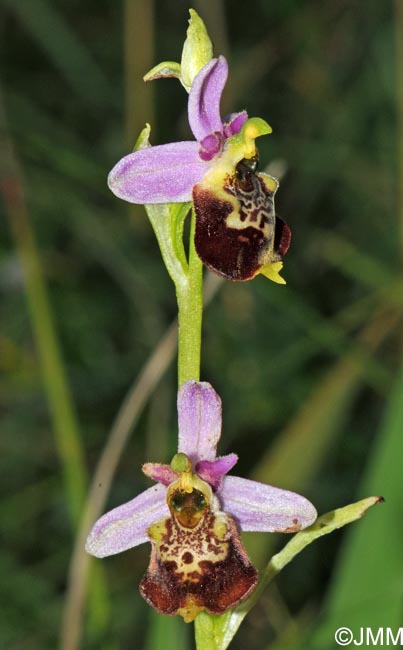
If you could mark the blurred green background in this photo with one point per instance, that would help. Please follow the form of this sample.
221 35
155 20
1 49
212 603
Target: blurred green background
309 373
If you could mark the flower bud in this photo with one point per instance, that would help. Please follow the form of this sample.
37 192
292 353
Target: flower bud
197 50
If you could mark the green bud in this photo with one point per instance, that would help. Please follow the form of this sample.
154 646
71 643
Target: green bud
197 50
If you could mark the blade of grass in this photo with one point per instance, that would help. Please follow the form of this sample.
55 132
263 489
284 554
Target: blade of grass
361 267
314 425
65 50
139 37
317 425
399 91
330 335
64 419
368 589
60 402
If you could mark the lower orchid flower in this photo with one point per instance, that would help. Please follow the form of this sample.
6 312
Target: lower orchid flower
192 518
237 233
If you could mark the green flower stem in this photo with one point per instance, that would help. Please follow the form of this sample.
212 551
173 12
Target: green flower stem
190 306
217 632
167 221
187 275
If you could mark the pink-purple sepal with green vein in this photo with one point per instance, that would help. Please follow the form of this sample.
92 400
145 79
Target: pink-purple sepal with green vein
167 173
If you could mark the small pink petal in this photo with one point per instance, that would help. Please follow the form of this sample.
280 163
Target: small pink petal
161 174
161 473
234 123
260 507
205 96
126 525
212 471
199 419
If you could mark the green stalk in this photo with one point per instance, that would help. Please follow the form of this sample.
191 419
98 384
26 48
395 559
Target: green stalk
190 312
187 275
167 221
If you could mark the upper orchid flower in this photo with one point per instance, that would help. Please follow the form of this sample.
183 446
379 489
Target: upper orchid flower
237 233
192 518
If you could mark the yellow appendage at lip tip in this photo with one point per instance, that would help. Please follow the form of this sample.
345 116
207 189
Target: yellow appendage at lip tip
252 129
242 145
272 272
255 127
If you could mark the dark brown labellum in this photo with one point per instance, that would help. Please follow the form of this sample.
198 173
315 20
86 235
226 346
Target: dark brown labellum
197 560
282 237
237 231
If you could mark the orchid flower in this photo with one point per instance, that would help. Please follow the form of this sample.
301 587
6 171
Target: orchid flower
237 233
193 515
